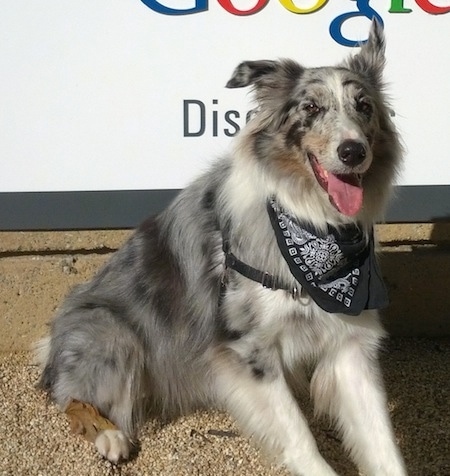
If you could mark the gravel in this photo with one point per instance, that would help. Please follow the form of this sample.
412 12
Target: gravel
36 441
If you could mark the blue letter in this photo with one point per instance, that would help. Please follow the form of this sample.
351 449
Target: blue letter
363 10
200 6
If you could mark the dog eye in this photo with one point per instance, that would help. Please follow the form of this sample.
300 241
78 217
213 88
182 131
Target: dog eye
364 106
311 108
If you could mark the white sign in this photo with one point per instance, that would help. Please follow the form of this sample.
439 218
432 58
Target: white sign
129 94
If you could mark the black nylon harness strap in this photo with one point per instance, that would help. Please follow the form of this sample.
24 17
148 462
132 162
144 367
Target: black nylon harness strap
266 279
262 277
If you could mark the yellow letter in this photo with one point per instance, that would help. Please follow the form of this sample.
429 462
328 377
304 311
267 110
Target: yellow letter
289 5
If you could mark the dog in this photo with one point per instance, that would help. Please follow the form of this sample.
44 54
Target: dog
258 278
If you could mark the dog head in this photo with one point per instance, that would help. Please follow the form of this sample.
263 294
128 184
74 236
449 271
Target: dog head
328 128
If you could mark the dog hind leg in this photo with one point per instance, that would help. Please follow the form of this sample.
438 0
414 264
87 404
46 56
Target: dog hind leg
95 358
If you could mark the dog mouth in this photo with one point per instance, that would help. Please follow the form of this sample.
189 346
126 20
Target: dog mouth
344 191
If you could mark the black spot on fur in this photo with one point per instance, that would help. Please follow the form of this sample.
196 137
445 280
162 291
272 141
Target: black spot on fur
256 365
206 248
261 144
253 357
232 334
90 305
292 69
47 379
309 121
224 332
209 200
294 135
258 373
110 363
161 272
141 289
162 303
287 109
314 81
291 104
306 89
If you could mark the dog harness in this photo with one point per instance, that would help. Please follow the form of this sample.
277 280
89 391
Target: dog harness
338 269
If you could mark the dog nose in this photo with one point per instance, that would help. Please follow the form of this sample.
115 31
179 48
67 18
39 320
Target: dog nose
351 152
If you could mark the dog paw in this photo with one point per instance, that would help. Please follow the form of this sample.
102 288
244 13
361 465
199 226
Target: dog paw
113 445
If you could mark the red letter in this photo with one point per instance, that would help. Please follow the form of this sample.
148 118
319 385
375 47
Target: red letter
230 8
428 7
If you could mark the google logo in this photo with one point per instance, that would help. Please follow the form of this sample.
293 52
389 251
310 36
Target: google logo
363 9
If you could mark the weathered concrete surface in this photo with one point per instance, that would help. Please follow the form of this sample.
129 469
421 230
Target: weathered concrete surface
38 268
31 288
27 242
30 242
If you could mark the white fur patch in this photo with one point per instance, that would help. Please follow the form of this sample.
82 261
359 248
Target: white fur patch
113 445
41 351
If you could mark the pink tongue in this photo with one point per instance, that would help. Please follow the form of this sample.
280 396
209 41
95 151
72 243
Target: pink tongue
347 197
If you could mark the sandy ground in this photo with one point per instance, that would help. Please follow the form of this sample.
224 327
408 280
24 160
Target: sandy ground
35 438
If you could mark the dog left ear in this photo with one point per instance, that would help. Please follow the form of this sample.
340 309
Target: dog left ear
370 61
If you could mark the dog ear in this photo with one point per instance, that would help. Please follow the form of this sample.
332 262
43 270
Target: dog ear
272 83
249 72
265 74
370 61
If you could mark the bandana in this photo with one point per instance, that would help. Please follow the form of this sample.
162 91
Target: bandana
337 269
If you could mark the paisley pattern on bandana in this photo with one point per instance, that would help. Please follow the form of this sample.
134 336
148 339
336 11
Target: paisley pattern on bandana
338 269
319 254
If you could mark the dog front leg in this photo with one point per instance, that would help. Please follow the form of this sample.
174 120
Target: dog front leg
347 384
259 399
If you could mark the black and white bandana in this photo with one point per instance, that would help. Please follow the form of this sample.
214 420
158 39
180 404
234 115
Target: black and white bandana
337 269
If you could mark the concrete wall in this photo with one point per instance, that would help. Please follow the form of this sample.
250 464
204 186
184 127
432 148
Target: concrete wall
38 268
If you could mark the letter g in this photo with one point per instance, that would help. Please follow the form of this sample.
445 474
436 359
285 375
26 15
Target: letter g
365 10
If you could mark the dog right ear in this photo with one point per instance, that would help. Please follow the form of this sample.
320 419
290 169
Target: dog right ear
272 82
270 79
249 72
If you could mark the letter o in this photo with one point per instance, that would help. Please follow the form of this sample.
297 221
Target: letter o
289 5
230 8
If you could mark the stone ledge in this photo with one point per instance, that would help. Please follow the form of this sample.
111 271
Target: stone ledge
38 268
31 288
45 241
